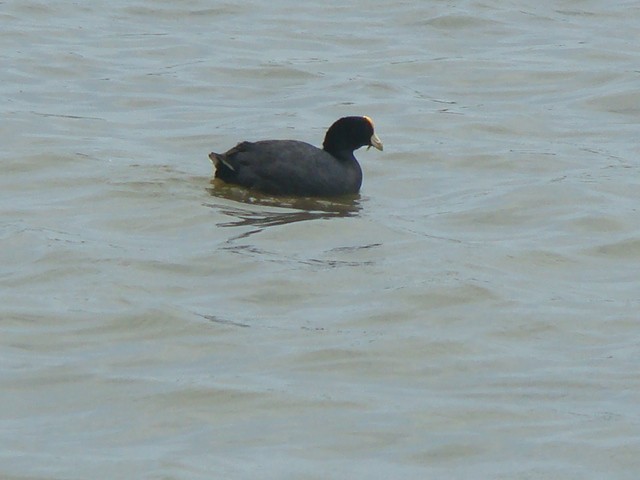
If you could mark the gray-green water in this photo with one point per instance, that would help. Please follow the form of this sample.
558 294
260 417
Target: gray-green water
474 314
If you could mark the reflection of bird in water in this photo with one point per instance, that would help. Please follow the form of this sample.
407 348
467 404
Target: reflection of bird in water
261 212
297 210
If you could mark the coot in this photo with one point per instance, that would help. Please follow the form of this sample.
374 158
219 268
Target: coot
291 167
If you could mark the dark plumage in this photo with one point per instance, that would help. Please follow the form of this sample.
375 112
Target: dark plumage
291 167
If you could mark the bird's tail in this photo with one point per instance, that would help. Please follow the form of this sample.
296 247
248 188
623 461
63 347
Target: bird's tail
220 161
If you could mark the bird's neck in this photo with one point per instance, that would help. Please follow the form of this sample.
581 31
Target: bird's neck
342 154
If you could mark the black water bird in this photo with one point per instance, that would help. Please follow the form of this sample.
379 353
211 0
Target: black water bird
291 167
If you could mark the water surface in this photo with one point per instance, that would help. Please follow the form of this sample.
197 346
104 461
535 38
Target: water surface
471 314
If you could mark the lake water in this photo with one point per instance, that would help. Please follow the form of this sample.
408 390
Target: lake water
472 314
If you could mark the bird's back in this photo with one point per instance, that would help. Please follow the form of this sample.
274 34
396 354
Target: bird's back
287 167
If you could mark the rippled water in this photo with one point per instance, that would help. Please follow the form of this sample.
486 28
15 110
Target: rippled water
472 314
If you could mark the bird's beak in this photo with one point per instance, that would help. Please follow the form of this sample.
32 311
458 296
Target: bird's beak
375 142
